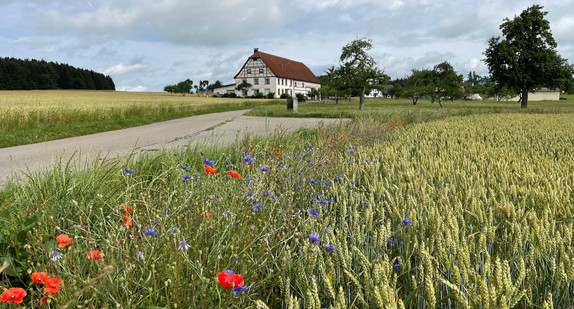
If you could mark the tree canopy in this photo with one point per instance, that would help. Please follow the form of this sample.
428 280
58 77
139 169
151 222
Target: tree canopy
359 70
18 74
526 58
440 82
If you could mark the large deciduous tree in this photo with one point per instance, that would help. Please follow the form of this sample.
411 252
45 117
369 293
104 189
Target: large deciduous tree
436 84
526 58
361 69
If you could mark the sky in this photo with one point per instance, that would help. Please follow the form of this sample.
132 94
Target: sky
145 45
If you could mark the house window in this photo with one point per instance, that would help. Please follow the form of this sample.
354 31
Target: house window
256 81
266 92
267 81
248 71
295 84
244 81
255 91
260 71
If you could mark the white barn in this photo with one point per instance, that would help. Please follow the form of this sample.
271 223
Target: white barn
268 73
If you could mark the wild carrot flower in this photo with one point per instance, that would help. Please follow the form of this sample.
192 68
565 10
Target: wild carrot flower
314 237
229 280
63 240
56 255
53 286
40 277
14 295
140 255
94 255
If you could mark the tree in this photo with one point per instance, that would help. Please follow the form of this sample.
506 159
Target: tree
436 84
217 84
243 87
526 58
184 87
361 69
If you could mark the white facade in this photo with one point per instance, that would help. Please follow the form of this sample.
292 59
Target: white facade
263 80
224 89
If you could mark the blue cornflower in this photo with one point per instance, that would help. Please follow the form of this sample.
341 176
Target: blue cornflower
314 237
396 266
337 178
155 222
229 166
313 181
248 159
314 213
56 255
350 151
264 169
249 193
330 248
185 168
392 241
248 181
239 289
257 206
364 202
308 147
128 171
151 232
406 221
246 151
300 173
183 245
323 202
208 162
229 271
311 278
185 178
330 199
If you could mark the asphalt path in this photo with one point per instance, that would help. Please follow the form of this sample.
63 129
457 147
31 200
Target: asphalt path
217 129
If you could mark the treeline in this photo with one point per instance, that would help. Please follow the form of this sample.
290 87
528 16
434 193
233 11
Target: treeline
18 74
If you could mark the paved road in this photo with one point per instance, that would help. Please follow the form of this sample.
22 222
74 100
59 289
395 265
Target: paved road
210 129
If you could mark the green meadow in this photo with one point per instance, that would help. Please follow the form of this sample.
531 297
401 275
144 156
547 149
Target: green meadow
468 206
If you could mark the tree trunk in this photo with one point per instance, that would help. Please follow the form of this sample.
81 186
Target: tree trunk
362 99
524 102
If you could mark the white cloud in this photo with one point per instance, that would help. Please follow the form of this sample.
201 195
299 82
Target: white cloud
133 89
120 68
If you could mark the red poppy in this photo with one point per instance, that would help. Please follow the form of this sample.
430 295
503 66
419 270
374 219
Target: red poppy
278 153
53 286
127 220
43 300
234 174
94 255
210 170
64 240
13 295
127 209
203 214
40 277
230 280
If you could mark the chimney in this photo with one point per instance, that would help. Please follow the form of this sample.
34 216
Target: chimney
255 50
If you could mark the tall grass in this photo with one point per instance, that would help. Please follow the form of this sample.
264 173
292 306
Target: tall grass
457 212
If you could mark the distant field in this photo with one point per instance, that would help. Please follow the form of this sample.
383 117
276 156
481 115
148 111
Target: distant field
35 116
403 108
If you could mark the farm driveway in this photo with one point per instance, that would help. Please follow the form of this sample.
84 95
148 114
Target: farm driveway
210 129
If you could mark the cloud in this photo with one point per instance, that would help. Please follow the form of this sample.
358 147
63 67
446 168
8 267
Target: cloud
120 68
133 89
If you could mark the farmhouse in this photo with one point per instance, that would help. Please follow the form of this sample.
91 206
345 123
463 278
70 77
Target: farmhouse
272 74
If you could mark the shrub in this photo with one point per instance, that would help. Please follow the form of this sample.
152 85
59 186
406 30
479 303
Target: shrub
301 97
285 96
271 95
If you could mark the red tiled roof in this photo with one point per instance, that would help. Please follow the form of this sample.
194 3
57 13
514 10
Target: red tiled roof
285 68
